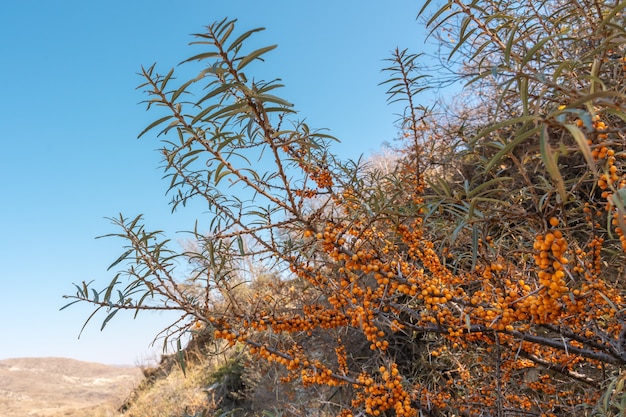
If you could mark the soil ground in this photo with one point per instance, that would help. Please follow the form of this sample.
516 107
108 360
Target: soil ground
59 387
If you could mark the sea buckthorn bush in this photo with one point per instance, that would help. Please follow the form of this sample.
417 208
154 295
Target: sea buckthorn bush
480 273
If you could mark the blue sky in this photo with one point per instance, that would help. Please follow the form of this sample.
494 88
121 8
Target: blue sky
70 115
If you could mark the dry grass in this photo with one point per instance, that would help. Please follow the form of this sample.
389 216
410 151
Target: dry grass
174 393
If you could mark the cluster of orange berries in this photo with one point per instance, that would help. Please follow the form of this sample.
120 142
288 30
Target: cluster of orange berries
314 316
322 178
542 384
379 397
229 336
360 271
270 356
310 372
494 303
437 400
435 293
363 317
347 200
618 227
222 330
349 289
306 193
592 215
551 260
611 180
521 402
342 358
595 250
319 374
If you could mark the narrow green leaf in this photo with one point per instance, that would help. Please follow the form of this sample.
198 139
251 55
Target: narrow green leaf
218 28
609 302
240 244
438 13
107 294
460 212
532 51
227 111
474 247
596 95
237 42
551 165
181 89
421 11
181 357
273 99
79 290
218 90
109 317
191 154
509 43
227 31
468 322
166 79
120 259
132 224
478 190
67 305
460 42
220 173
509 147
614 11
581 140
253 55
202 56
211 254
472 208
508 122
143 297
154 124
203 113
523 89
87 321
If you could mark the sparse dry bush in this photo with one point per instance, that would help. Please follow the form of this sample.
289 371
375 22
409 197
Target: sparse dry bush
171 392
480 274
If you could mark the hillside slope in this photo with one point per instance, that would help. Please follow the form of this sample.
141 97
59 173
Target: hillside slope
54 387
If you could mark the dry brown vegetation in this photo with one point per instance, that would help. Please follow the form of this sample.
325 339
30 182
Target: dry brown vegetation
479 274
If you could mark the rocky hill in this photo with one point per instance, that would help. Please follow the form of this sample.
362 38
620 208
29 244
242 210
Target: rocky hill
59 387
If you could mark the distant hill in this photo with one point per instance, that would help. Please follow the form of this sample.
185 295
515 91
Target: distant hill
55 387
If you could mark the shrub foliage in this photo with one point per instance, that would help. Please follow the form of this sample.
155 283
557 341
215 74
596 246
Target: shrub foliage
478 274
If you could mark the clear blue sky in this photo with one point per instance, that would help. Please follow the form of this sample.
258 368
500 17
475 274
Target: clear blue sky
69 118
